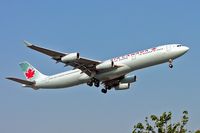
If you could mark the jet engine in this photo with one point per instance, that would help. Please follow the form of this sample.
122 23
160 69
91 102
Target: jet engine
125 82
129 79
105 65
122 86
70 57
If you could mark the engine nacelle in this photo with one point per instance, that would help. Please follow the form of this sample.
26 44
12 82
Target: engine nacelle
105 65
70 57
122 86
129 79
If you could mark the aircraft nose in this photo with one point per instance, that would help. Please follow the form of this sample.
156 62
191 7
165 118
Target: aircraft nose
185 49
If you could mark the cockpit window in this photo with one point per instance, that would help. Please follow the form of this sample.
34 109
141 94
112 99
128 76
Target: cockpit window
179 45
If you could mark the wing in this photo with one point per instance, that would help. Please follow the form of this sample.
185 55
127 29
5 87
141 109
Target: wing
86 65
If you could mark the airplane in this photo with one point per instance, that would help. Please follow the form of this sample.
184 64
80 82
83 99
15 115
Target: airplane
111 73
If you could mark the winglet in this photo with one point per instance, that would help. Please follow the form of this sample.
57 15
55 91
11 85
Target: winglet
28 44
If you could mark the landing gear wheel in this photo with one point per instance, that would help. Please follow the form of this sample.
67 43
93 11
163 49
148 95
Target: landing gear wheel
170 66
108 88
90 83
104 91
97 84
170 63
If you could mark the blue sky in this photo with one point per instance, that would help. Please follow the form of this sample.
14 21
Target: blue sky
98 30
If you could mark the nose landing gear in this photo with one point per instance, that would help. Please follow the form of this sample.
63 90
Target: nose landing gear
170 66
170 63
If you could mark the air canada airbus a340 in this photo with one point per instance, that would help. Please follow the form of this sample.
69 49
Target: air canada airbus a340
110 74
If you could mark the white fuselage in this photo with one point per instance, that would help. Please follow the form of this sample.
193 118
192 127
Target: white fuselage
126 64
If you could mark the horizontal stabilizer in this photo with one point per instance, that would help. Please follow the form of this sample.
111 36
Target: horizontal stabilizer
25 82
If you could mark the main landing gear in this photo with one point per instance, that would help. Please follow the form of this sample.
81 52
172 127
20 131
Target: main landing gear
90 83
104 90
170 63
94 82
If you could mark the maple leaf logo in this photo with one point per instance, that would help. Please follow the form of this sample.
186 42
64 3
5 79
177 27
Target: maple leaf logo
29 73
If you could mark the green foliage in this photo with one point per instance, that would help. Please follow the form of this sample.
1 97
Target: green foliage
162 124
198 131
